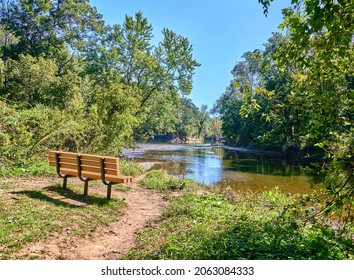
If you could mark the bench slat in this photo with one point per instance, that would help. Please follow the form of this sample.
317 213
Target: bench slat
84 156
96 176
98 170
85 168
83 162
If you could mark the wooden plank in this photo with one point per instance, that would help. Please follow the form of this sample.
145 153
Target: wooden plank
68 165
97 176
90 162
64 159
98 169
94 158
86 167
66 171
63 154
119 179
113 160
84 162
109 165
112 166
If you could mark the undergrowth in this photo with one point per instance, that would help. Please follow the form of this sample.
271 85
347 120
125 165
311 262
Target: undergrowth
268 225
131 168
159 180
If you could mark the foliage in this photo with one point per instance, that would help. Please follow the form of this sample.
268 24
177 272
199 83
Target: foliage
114 116
193 122
215 128
188 117
296 95
268 225
48 28
30 132
130 168
159 74
32 81
158 180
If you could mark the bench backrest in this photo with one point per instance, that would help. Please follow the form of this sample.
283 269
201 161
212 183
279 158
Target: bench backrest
89 163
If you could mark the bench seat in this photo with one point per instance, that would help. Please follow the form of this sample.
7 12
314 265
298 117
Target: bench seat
97 176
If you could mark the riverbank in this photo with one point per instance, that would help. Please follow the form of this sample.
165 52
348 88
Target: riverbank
158 217
291 155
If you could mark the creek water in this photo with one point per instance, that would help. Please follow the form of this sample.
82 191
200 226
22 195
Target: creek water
237 168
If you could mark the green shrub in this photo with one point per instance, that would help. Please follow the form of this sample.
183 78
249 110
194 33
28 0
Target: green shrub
130 168
159 180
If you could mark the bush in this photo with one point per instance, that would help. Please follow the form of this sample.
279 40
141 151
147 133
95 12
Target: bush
159 180
130 168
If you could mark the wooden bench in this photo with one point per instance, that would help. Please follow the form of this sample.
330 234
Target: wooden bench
87 168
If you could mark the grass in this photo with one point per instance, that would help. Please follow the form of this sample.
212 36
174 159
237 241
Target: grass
160 181
267 225
32 214
33 167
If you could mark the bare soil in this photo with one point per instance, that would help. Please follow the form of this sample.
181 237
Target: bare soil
143 207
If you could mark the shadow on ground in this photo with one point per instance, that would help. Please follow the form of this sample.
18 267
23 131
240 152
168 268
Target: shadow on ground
63 197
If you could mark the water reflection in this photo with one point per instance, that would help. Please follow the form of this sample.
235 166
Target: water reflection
213 165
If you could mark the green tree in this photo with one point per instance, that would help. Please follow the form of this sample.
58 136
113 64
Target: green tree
188 118
47 27
202 121
32 81
215 128
321 51
238 106
113 118
160 74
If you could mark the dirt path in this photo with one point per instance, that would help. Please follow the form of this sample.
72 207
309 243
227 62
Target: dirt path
111 242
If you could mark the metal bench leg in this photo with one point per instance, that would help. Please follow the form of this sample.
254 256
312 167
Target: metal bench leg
79 174
65 182
109 191
86 187
104 181
64 176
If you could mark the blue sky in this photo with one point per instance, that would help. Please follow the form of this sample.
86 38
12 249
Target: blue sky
219 30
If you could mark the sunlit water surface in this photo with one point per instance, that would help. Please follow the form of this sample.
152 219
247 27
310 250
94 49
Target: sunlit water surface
240 169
